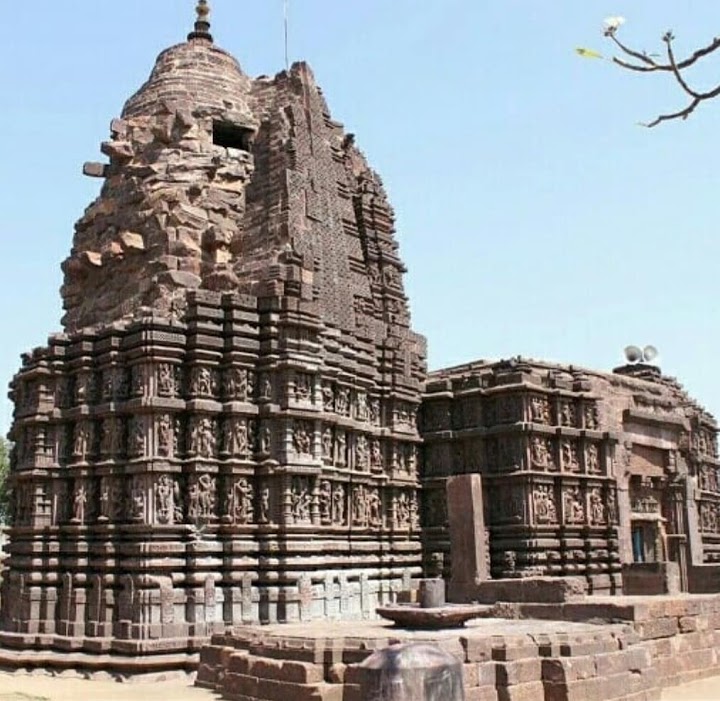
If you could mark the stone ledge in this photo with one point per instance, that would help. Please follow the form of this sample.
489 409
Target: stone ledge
121 668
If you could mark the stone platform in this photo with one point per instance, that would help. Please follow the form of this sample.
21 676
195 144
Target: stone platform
619 648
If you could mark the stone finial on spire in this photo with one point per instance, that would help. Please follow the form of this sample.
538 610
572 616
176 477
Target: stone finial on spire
202 23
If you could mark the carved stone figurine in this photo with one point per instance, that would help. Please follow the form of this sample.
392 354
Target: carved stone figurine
80 499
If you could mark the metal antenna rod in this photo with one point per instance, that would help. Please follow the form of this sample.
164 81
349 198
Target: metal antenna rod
287 59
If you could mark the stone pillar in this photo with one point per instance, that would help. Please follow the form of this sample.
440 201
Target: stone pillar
468 547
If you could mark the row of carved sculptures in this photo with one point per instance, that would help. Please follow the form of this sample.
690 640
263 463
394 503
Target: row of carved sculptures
204 436
510 408
199 499
553 504
516 452
538 504
205 382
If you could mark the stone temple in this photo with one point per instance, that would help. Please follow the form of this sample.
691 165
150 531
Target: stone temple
236 424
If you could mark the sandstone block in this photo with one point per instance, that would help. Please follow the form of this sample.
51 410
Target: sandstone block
531 691
131 241
532 590
477 649
568 669
481 694
658 628
519 672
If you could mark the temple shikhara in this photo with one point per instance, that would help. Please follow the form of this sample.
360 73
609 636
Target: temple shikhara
236 424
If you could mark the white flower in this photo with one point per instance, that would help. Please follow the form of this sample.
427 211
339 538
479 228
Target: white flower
614 23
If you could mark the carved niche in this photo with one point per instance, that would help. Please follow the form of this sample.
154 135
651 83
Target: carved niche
265 514
81 502
167 380
239 501
539 409
597 510
137 499
165 439
569 456
338 504
301 500
574 509
302 437
110 498
203 382
202 441
566 413
164 500
366 507
238 384
83 437
325 503
590 416
592 459
362 453
236 436
542 453
136 437
544 505
201 498
303 387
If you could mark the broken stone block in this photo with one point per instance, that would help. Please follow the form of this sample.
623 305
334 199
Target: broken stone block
131 241
117 150
95 170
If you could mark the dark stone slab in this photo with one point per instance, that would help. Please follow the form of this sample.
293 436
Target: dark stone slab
451 616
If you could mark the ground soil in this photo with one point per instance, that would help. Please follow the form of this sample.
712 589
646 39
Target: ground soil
47 688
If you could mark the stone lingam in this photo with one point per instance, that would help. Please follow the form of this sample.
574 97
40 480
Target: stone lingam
432 612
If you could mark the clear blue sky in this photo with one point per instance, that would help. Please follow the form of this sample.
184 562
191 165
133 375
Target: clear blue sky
534 215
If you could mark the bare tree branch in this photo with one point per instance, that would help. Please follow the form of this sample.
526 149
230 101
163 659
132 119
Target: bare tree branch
648 64
682 114
653 65
640 56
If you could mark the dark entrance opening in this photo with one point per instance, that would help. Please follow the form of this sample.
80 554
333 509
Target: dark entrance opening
232 136
644 542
